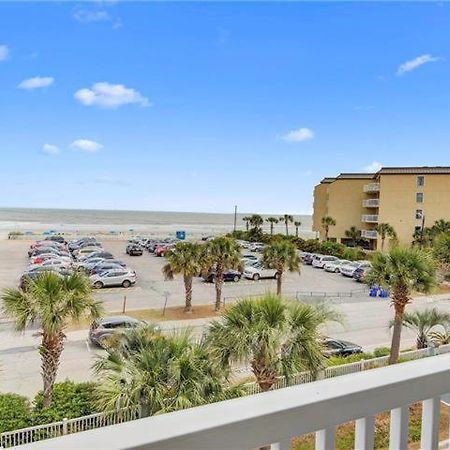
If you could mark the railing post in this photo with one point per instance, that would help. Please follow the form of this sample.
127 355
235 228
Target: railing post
64 426
364 434
285 444
430 424
325 439
398 434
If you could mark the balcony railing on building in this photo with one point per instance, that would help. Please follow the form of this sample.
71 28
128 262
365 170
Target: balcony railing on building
369 218
369 234
275 417
372 187
371 203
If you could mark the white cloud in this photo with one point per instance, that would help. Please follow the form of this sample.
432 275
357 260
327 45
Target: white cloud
415 63
86 145
36 83
87 16
108 95
300 135
50 149
374 166
4 52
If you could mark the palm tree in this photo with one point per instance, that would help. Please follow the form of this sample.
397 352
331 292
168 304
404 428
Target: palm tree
422 322
256 221
402 270
246 219
185 258
385 230
282 256
354 234
272 221
441 226
51 302
148 371
286 218
273 336
221 253
440 337
441 251
297 225
327 222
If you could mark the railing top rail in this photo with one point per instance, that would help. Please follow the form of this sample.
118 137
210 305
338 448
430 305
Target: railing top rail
243 423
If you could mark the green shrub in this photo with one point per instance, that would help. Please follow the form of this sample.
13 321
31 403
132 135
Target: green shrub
14 412
69 400
381 351
341 360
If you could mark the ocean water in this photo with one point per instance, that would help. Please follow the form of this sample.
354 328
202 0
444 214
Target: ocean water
152 222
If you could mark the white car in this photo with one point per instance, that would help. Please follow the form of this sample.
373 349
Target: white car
257 271
335 266
85 251
322 260
256 247
348 270
57 263
114 277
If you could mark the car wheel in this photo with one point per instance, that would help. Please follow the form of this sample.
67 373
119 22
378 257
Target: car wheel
336 270
256 277
126 284
236 278
98 285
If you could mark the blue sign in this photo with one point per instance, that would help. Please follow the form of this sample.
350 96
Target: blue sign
181 235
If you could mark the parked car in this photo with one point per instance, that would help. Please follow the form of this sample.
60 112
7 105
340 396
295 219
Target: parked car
228 275
361 272
39 259
27 276
103 266
84 252
348 270
56 238
100 254
337 347
335 266
49 250
256 247
257 271
83 242
250 257
320 261
102 329
308 258
134 250
113 277
161 250
56 262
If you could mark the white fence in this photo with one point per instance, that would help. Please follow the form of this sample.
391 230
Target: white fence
69 426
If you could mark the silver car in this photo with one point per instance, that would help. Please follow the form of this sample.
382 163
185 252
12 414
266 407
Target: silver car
115 277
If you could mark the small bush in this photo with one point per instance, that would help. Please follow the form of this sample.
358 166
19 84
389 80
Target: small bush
381 351
14 412
341 360
69 400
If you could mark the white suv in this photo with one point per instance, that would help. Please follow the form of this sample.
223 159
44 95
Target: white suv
258 271
322 260
114 277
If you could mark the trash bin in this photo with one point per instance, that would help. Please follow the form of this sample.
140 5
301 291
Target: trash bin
181 235
373 292
384 293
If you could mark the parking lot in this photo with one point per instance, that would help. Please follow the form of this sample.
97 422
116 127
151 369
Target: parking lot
365 323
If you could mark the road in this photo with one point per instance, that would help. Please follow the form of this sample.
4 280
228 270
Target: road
366 318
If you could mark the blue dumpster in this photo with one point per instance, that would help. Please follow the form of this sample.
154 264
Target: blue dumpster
181 235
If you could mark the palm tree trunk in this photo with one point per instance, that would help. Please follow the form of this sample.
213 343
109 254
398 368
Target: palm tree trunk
246 225
400 299
382 243
188 293
271 228
50 350
287 228
421 341
326 233
296 231
279 282
218 285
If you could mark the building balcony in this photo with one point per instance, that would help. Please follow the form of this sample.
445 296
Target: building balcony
369 218
372 188
274 418
369 234
371 203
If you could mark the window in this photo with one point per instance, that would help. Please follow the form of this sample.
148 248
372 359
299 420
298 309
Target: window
420 181
419 214
418 229
419 197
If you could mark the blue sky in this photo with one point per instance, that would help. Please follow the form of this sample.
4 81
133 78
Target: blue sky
200 106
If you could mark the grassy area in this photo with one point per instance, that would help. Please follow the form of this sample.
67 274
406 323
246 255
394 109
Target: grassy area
156 315
345 433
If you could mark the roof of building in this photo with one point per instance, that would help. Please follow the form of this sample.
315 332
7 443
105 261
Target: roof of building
414 170
357 176
328 180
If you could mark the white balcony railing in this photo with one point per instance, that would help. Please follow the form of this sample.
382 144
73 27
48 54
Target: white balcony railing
275 417
369 218
371 203
372 187
369 234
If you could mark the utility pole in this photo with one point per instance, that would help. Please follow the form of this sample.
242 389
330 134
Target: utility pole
235 217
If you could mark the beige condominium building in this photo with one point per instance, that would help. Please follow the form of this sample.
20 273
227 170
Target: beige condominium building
405 197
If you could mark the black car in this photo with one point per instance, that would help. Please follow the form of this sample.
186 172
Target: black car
134 250
228 275
308 259
56 238
337 347
360 273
